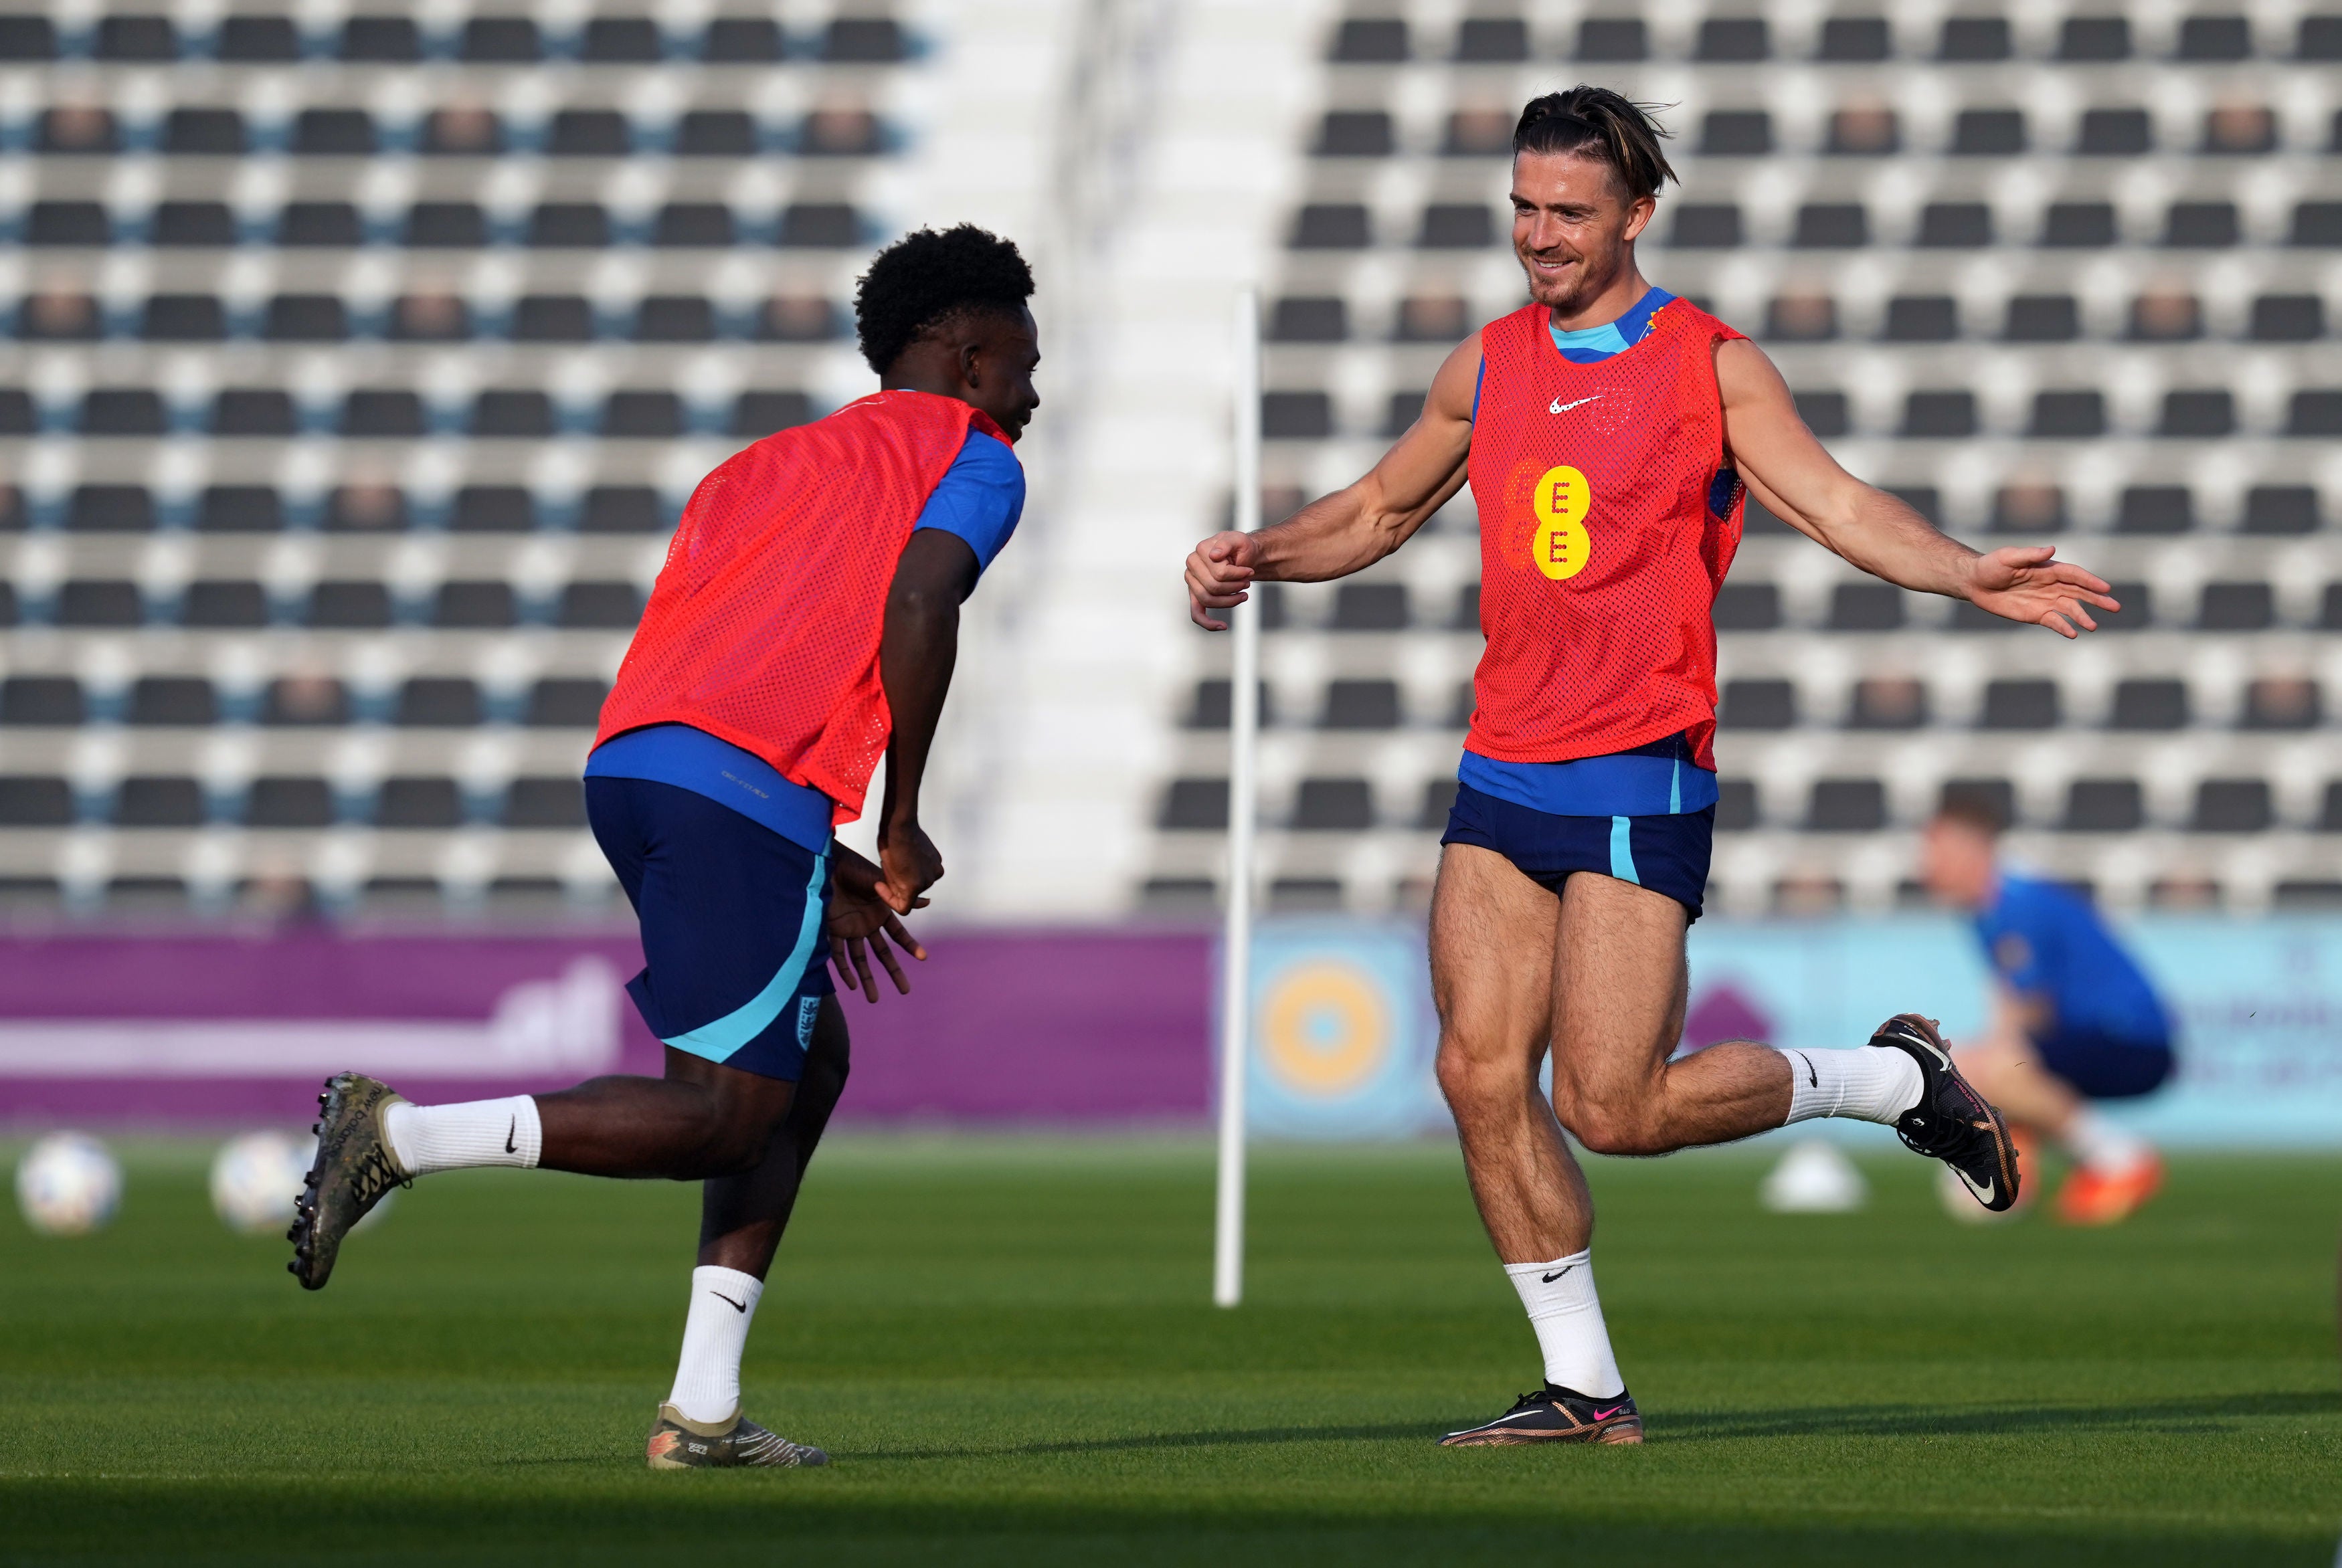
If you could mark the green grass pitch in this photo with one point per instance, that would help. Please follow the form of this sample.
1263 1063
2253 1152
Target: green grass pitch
1007 1347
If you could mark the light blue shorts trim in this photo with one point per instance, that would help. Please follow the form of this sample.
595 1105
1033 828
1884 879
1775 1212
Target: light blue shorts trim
724 1038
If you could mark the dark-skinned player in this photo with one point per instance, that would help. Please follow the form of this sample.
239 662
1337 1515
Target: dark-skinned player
803 627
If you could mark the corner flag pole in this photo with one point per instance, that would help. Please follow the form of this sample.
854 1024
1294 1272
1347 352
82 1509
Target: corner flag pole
1243 744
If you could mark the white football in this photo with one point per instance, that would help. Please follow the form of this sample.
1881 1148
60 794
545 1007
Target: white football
68 1184
256 1176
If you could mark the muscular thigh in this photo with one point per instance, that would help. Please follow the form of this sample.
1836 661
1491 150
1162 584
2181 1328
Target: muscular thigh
1619 985
1492 943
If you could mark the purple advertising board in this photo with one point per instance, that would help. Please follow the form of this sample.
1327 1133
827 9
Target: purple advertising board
1038 1027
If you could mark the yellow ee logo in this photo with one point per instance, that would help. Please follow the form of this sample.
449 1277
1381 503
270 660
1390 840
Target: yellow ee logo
1560 546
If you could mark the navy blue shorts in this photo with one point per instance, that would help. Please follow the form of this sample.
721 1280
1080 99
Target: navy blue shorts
734 920
1667 854
2099 1066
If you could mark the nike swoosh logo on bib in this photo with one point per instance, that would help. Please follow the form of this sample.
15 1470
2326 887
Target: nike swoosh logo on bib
1558 406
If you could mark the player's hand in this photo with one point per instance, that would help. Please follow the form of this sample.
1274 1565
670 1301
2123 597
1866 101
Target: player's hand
909 865
2027 583
860 924
1219 573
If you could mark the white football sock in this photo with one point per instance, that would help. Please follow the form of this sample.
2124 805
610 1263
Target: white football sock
1567 1316
708 1378
427 1138
1868 1083
2104 1145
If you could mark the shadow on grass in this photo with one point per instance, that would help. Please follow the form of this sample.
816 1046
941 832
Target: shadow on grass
91 1522
2197 1413
2204 1414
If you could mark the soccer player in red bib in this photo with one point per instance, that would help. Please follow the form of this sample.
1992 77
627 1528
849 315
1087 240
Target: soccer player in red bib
803 627
1610 433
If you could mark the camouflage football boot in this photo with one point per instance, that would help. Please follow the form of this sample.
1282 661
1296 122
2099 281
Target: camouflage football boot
353 1171
680 1444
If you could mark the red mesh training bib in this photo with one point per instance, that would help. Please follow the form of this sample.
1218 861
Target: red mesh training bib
1609 514
764 626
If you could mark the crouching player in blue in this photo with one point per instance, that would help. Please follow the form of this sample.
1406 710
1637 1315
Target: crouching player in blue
2073 1021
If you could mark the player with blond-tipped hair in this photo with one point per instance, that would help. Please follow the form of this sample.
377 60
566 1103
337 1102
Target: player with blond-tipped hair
1610 433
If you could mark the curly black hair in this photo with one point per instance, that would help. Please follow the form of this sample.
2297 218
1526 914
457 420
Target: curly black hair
925 278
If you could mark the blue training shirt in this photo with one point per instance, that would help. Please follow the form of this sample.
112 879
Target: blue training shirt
979 499
1655 780
2046 942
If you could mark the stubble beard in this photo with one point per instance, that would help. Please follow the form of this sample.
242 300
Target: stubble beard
1583 286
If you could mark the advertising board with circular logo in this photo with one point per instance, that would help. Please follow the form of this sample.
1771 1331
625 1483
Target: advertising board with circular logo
1341 1037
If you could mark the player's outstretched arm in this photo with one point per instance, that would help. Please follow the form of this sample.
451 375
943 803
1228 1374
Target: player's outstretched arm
937 571
1356 527
1788 470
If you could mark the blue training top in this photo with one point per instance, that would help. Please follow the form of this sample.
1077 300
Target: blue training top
979 499
2046 942
1655 780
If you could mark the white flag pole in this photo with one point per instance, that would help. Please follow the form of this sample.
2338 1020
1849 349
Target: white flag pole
1243 744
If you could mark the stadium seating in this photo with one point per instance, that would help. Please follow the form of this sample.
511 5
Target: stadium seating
2048 273
354 362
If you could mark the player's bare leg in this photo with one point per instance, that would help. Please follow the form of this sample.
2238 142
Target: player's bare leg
743 1215
1619 988
742 1218
1493 940
1492 944
703 1120
1608 958
750 1137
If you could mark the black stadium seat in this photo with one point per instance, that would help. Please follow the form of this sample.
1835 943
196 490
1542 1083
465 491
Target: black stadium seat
286 802
761 412
556 801
36 800
159 801
100 602
622 509
1360 704
173 700
224 603
566 703
1753 703
605 606
1334 805
43 701
621 40
479 603
418 802
438 701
